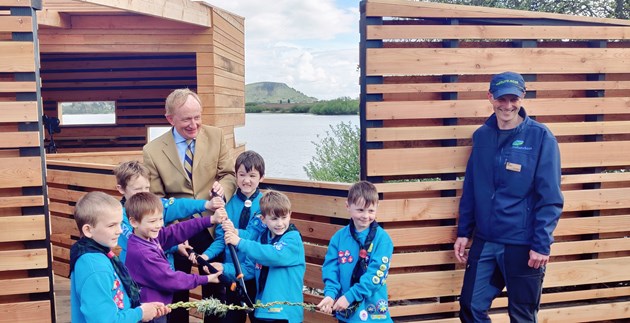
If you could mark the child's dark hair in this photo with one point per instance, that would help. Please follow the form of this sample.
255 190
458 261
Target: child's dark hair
142 204
91 205
363 194
275 203
129 170
250 160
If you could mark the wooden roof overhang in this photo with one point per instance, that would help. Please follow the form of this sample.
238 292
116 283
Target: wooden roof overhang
58 13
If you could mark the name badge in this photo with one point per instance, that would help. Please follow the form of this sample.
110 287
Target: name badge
513 167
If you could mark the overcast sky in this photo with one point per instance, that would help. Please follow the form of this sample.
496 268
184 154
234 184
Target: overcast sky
311 45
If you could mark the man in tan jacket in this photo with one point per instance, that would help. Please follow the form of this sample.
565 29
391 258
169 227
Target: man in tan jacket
189 161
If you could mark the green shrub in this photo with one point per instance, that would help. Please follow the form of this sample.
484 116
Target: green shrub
336 155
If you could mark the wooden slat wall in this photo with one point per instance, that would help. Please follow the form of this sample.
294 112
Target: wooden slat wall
221 75
425 73
25 265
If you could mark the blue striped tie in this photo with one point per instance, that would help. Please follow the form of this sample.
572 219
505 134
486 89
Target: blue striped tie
188 158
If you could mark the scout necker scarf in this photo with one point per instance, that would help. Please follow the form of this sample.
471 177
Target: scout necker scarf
247 204
87 245
364 251
264 271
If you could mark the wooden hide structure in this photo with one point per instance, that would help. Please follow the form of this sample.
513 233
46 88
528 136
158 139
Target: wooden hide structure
130 52
134 54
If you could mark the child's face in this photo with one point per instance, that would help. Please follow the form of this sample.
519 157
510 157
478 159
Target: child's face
361 215
248 181
277 224
149 227
135 185
107 228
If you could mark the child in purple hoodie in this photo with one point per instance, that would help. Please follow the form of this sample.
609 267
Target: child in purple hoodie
146 260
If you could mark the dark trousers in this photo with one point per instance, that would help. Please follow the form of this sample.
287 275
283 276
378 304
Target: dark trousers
200 242
232 297
490 268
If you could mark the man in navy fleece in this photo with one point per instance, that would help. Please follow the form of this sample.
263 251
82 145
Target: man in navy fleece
511 204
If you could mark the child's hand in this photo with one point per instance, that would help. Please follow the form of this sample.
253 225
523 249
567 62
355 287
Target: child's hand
326 305
162 309
183 248
341 304
217 190
214 204
232 238
193 258
149 311
219 216
214 278
228 226
217 265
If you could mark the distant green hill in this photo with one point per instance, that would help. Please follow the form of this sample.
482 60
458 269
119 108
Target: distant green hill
273 92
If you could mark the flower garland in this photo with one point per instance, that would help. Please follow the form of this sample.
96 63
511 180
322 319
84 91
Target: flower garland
212 306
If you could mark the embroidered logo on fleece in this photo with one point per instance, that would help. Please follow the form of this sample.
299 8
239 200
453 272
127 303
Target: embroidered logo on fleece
518 144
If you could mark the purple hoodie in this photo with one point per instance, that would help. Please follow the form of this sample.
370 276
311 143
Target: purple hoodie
150 268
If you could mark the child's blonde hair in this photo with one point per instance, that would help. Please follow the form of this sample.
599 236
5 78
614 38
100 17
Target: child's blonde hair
129 170
141 204
275 203
91 205
363 194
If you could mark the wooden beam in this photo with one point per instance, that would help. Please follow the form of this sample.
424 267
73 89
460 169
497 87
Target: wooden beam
26 312
54 18
189 12
18 286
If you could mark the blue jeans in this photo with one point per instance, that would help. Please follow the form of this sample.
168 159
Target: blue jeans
490 268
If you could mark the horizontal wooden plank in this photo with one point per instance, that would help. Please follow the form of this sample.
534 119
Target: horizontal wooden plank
448 283
9 87
20 139
16 24
17 57
384 162
20 172
26 312
461 132
18 112
438 61
22 228
21 201
600 199
501 302
101 181
421 9
18 286
422 236
23 259
64 225
438 160
398 32
125 47
437 185
397 110
466 87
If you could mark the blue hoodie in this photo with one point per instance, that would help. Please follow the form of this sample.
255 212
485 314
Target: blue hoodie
512 193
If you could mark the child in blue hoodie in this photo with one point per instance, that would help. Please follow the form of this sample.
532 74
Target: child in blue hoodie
357 262
244 211
279 260
101 289
132 177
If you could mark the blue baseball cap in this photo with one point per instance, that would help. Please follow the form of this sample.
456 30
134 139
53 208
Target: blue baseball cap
507 83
